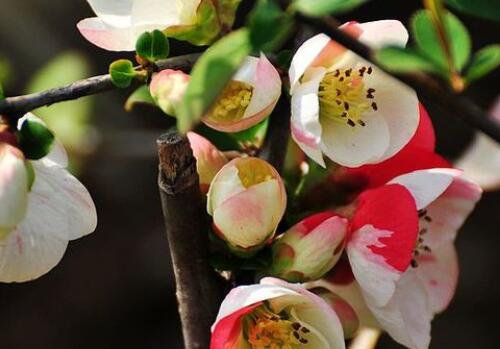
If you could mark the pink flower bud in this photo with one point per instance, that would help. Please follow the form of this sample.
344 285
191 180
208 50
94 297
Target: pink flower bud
310 248
247 200
13 188
167 89
209 160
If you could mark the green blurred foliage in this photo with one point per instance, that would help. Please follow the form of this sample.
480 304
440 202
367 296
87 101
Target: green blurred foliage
140 96
70 121
489 9
483 62
324 7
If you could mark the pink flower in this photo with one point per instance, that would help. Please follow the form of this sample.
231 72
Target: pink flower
310 248
247 200
346 108
276 314
209 160
248 99
401 249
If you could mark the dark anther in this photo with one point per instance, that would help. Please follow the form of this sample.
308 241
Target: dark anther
344 114
296 326
414 263
374 106
348 72
337 73
303 341
370 70
422 213
296 334
362 123
305 330
341 79
351 123
338 92
428 219
346 106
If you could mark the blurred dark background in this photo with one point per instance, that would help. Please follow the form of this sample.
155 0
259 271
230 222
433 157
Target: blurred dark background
114 288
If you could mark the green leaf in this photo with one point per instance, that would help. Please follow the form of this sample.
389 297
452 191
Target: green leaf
204 31
70 121
122 73
210 75
269 26
2 95
152 46
35 139
429 43
324 7
403 60
484 61
489 9
139 96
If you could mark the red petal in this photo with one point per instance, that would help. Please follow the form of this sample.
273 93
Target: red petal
227 330
392 208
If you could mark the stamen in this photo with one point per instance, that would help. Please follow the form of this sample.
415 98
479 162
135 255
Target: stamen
232 102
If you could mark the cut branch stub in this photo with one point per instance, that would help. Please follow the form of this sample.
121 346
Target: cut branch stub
199 289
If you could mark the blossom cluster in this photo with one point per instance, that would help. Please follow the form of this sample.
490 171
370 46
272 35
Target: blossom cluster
377 252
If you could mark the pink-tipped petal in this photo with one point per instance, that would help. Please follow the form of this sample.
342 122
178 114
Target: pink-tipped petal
104 36
382 33
228 330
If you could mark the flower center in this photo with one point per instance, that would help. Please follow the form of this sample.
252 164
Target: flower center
253 171
232 102
421 247
265 329
344 97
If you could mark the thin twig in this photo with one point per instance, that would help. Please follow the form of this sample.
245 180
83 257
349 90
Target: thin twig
366 338
425 86
199 290
22 104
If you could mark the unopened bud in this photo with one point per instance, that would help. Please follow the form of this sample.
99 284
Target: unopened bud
167 89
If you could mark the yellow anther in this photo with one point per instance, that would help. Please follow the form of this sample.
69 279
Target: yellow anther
253 171
232 102
344 97
268 330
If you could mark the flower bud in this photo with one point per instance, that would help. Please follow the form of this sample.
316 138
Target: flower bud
13 188
247 200
209 160
167 89
310 248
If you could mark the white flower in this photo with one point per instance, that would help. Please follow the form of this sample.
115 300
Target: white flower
59 209
345 107
119 23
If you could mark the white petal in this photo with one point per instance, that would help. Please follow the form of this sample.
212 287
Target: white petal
438 272
427 185
355 146
383 33
225 184
407 317
244 296
116 13
27 253
375 276
397 104
306 128
305 56
59 205
170 12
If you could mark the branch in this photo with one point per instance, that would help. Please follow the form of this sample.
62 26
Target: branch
22 104
425 86
274 149
199 290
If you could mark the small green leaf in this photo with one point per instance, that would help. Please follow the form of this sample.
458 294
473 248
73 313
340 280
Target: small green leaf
35 139
483 62
403 60
429 42
139 96
269 26
122 73
152 46
489 9
2 95
325 7
210 75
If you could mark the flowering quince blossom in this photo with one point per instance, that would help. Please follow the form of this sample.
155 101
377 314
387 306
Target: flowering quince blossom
310 248
59 209
403 258
276 314
167 89
119 23
209 160
249 97
247 200
346 108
